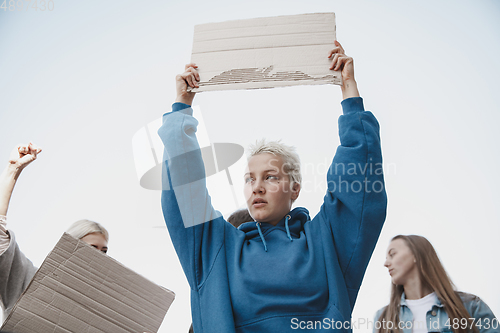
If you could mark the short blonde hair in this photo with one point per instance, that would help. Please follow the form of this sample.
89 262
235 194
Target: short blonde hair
82 228
291 160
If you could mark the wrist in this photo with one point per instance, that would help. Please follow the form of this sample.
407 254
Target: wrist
185 98
12 171
349 89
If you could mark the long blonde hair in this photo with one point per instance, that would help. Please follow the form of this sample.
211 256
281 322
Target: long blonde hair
432 276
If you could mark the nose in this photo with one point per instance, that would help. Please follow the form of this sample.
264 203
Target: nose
386 263
258 186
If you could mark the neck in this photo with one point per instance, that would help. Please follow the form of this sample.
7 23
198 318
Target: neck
415 290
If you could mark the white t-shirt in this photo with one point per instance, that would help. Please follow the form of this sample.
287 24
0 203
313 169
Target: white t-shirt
419 309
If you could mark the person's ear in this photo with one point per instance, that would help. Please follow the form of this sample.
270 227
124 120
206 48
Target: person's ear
295 191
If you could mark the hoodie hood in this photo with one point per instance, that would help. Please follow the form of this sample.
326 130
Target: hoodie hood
292 224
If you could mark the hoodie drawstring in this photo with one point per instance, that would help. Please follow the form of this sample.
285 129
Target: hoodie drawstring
288 229
261 236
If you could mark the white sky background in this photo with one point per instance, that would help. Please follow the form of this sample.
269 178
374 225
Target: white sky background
81 80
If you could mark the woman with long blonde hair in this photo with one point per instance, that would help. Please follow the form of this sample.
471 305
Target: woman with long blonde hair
423 298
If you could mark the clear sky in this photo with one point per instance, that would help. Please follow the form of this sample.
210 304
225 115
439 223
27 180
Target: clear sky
82 79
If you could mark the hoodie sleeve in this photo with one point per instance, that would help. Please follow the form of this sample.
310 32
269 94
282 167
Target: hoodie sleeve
355 203
196 229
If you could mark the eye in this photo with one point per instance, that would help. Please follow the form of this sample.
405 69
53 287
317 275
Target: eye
271 177
104 251
248 180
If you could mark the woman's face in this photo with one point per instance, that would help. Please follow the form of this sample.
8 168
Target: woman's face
401 263
267 188
96 240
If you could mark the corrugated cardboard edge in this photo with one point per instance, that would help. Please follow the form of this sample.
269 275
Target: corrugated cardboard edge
65 237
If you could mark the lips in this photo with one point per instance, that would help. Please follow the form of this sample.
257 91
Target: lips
259 202
390 271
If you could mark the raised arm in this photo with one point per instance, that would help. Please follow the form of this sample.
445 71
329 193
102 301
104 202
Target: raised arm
355 203
196 229
20 158
16 270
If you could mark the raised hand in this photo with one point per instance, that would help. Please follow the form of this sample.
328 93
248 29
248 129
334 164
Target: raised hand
344 63
190 78
23 155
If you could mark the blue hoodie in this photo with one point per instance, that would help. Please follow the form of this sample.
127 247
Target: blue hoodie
299 274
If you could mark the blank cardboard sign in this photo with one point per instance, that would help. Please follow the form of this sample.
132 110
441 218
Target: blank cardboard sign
265 52
79 289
